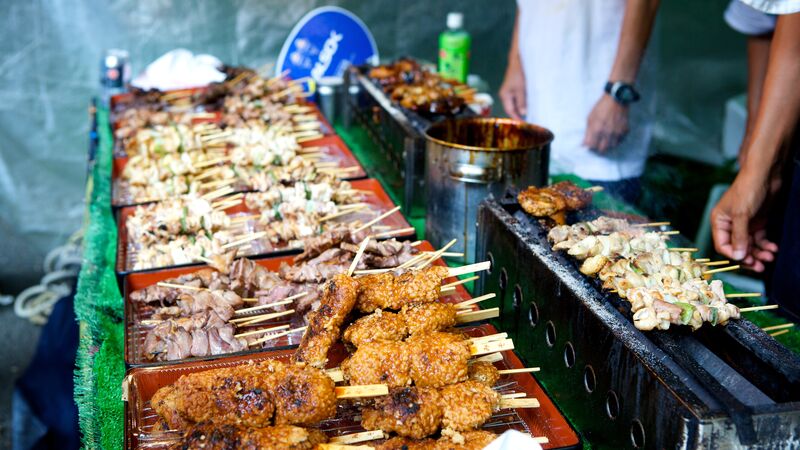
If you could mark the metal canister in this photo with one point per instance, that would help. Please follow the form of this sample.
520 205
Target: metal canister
466 160
330 97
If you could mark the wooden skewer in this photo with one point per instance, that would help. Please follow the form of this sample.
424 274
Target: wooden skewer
514 395
211 162
377 219
683 249
392 233
447 254
312 149
702 260
357 258
326 164
355 438
242 219
650 224
491 337
717 263
778 333
483 348
335 374
468 303
334 446
472 268
435 255
218 193
224 206
245 239
228 199
523 370
512 403
208 173
668 233
540 439
415 243
264 330
778 327
414 260
595 189
475 316
205 260
264 306
252 320
276 336
758 308
721 269
490 358
310 138
459 282
180 286
342 213
743 295
366 390
285 301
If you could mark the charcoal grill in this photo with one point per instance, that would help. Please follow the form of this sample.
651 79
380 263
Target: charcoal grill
729 386
398 134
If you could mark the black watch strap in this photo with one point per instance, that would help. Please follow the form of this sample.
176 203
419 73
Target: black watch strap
623 93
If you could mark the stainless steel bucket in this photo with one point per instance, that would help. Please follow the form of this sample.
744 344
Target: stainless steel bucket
466 159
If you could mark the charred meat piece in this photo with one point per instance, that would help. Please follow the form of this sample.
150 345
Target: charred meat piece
391 291
378 326
410 412
211 436
324 324
438 359
552 200
484 372
470 440
379 363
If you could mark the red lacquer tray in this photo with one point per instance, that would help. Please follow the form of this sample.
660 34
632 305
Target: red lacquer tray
545 421
136 313
377 198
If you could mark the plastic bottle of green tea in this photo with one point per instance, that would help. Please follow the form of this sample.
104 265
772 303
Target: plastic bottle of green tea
454 46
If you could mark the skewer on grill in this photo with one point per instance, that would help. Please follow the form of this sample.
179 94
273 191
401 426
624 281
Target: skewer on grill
778 333
721 269
777 327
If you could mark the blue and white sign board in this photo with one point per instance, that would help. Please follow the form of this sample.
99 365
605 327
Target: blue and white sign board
324 43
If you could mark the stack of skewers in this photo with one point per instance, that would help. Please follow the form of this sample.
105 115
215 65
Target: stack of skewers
664 285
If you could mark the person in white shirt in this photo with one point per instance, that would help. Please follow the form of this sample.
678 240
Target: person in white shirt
572 68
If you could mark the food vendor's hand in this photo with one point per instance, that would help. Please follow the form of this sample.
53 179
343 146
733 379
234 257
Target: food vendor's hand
607 125
738 225
512 92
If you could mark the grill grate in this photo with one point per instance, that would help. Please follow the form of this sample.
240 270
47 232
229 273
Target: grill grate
720 386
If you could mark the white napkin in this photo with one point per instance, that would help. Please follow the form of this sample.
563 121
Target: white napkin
180 69
513 440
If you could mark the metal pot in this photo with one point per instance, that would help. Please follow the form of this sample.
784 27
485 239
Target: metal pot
466 160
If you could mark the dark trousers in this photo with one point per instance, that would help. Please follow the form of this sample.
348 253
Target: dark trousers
783 283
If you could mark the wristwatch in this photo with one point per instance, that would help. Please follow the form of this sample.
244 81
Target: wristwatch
623 93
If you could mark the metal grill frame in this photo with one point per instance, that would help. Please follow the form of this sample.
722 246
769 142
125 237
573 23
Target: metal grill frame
642 394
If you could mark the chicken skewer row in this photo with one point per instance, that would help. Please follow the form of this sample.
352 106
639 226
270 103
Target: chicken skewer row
255 394
191 214
386 290
664 287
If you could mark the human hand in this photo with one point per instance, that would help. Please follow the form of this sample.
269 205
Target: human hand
607 125
738 223
512 92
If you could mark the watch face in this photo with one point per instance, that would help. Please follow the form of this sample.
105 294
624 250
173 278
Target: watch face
625 94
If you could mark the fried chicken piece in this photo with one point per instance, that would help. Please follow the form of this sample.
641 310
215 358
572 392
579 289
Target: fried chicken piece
438 358
433 316
467 405
324 324
484 372
410 412
390 291
552 200
304 396
210 436
231 395
470 440
379 362
378 326
250 395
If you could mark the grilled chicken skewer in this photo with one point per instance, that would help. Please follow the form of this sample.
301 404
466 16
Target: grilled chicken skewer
211 436
256 394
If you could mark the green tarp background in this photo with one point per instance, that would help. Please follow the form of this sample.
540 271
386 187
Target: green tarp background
49 66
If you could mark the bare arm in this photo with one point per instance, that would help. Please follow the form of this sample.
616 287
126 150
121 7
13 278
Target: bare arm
757 59
608 121
512 92
738 232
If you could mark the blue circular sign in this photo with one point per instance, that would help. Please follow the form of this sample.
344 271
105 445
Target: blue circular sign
324 43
